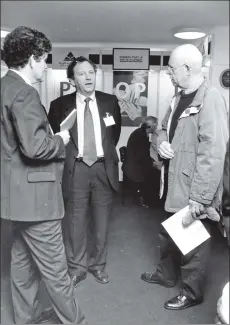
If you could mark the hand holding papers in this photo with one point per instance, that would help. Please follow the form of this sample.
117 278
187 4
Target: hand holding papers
185 238
209 213
68 123
65 136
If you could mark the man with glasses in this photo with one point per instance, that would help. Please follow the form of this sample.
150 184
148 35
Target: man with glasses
192 144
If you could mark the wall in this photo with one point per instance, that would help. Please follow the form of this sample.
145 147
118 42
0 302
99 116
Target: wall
220 58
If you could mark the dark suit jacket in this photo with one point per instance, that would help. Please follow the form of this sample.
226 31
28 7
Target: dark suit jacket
31 157
137 158
60 109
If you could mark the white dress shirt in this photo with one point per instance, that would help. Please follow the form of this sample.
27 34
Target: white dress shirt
80 104
22 76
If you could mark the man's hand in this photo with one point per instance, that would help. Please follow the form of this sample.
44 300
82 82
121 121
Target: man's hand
196 209
65 136
165 150
157 165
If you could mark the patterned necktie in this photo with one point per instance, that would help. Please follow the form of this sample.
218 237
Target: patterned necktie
89 149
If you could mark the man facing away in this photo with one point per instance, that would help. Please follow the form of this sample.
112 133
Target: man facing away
193 145
91 169
138 164
31 171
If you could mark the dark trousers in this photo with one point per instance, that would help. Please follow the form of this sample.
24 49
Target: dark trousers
89 204
148 189
38 253
152 187
192 266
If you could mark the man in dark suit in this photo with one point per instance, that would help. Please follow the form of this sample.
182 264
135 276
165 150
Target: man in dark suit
138 164
31 171
91 170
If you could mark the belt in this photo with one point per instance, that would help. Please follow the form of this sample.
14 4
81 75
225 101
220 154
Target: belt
99 159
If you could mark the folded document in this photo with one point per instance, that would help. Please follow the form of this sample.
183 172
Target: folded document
68 123
186 238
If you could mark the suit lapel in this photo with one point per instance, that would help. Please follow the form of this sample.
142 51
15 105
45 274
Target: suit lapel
70 104
102 113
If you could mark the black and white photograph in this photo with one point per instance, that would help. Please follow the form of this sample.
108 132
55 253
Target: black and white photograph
115 197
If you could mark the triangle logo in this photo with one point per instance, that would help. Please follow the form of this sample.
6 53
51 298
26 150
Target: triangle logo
69 57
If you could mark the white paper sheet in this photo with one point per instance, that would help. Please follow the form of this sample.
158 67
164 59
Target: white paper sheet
68 123
186 238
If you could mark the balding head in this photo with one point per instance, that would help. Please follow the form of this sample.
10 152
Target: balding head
188 54
149 124
185 65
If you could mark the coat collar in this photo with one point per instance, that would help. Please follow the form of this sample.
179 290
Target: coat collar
199 97
69 103
196 104
20 74
15 75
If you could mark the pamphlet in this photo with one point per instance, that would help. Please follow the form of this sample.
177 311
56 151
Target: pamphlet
186 238
68 123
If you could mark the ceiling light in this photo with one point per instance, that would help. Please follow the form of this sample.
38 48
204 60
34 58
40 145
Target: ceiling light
189 33
4 32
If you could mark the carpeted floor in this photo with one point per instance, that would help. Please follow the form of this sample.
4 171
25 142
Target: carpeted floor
127 300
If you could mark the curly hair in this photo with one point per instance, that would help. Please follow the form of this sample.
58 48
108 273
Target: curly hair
23 42
71 66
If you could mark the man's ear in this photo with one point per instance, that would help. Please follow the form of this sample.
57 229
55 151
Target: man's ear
72 83
32 61
188 69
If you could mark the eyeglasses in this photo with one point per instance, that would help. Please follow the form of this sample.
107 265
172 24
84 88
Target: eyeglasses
172 70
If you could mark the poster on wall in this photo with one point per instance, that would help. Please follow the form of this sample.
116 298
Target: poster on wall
130 59
131 89
61 58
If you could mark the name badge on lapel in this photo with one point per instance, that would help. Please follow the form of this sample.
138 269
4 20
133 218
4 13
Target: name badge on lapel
109 120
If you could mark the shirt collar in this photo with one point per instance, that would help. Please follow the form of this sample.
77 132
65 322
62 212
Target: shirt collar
22 76
82 98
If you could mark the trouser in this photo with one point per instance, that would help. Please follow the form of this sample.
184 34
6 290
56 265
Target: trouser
152 187
192 265
38 253
88 208
226 222
148 189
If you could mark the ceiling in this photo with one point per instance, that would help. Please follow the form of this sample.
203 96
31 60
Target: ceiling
121 22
